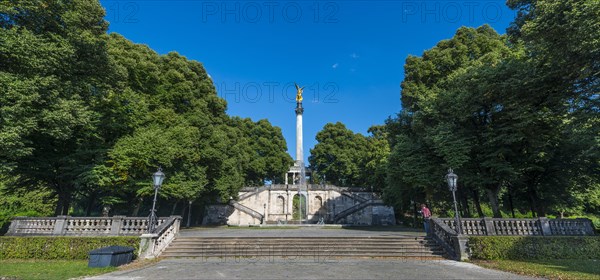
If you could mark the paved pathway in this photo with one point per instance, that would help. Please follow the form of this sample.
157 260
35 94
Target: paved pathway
309 269
306 268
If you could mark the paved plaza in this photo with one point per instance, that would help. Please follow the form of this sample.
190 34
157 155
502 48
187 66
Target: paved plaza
306 268
309 269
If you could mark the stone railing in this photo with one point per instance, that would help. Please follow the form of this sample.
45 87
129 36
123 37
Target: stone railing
246 210
291 187
79 226
356 208
354 196
153 244
454 244
444 230
522 227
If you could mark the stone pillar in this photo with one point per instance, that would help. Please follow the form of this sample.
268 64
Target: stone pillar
460 247
115 227
147 246
14 226
489 226
60 225
545 226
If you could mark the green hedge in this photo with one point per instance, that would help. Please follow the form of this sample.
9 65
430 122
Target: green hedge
534 247
59 248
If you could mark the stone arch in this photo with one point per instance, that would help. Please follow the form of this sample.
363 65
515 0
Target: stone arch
299 207
317 204
280 205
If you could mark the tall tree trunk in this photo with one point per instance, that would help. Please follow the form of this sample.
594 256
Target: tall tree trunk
477 203
531 206
63 203
464 202
136 209
510 201
59 207
537 203
492 194
90 204
174 207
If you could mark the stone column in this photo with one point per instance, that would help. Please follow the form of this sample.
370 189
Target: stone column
299 149
545 226
60 225
115 227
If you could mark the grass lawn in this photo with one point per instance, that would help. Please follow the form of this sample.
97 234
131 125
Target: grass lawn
48 269
551 269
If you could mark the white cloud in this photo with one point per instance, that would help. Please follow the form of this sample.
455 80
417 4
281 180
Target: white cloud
334 66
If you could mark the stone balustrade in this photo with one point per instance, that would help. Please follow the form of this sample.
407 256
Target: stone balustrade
310 187
522 227
444 230
79 226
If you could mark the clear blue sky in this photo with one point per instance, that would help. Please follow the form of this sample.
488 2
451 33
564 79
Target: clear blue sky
349 54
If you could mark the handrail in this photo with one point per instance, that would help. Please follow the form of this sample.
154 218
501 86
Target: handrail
246 209
153 244
354 196
356 208
445 236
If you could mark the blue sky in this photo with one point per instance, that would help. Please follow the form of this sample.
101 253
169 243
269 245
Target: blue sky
349 54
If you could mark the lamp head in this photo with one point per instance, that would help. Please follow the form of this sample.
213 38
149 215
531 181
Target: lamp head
158 177
451 178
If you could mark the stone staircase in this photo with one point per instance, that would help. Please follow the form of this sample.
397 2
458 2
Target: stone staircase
409 247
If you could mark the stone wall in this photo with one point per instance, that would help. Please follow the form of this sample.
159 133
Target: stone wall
274 204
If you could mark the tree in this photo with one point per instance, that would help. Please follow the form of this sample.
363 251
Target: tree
54 66
90 116
346 158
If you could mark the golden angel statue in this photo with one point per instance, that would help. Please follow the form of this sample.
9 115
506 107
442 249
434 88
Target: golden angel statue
299 93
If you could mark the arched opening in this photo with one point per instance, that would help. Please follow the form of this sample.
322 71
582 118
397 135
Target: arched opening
317 204
319 210
280 205
299 205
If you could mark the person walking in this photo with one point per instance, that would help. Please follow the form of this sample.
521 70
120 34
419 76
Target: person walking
426 218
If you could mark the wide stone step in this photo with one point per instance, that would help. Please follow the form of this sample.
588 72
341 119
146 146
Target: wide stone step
375 246
304 243
313 255
307 238
289 247
300 249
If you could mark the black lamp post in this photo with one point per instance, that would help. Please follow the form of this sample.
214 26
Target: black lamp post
157 179
452 178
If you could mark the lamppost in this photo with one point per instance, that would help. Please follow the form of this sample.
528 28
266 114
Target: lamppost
157 179
452 178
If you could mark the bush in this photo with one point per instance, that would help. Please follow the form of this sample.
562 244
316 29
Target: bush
534 247
59 248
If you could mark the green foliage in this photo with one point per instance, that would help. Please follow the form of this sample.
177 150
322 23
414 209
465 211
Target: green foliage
24 203
59 248
346 158
299 207
534 247
516 117
90 116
